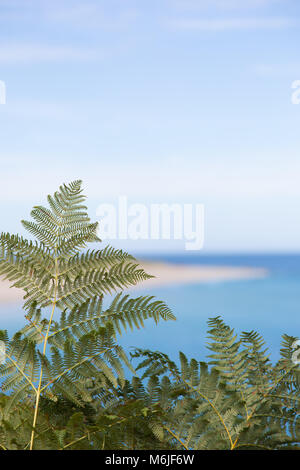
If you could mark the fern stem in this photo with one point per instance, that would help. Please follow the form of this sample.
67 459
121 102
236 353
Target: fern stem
264 396
86 359
21 371
254 445
36 327
90 433
38 393
176 437
215 410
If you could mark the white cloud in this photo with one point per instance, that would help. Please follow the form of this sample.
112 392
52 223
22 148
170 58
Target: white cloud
90 15
34 109
72 14
16 3
225 4
28 53
231 24
247 180
278 70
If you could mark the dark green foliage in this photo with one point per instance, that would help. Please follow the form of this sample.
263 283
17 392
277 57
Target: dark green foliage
241 401
63 381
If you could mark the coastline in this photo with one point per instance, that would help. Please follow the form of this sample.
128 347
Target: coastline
9 294
166 274
170 273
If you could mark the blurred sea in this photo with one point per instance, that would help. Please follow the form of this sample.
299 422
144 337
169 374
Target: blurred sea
270 306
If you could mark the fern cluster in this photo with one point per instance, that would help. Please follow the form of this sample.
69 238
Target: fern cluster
77 357
237 400
64 384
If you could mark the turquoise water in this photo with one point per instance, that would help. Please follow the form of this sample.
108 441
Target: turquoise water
271 306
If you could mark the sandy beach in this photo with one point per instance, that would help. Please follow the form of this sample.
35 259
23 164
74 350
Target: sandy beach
165 274
171 273
9 294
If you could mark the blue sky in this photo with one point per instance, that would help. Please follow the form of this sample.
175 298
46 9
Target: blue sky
162 101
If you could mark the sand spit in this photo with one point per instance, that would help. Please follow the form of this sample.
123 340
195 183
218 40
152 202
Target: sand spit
165 274
169 274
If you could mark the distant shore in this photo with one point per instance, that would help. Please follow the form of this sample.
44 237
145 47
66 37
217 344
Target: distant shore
165 274
171 273
9 294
